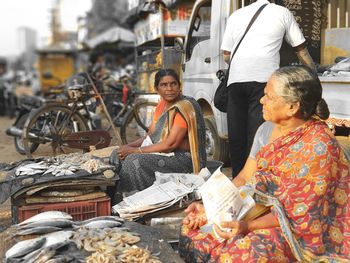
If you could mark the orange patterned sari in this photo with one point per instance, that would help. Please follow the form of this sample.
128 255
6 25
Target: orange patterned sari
304 176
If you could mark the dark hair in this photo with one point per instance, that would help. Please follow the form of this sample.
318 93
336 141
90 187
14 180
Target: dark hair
163 73
301 84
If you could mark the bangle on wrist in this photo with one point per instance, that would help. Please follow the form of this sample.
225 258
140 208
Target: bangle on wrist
140 150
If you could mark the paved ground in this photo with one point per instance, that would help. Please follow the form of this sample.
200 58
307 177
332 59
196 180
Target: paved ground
7 154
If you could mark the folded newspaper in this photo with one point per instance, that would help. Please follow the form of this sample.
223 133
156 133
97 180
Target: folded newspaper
168 189
223 201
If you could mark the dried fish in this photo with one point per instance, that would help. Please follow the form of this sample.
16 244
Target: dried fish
46 216
67 193
107 240
31 168
99 257
24 247
62 169
137 255
40 199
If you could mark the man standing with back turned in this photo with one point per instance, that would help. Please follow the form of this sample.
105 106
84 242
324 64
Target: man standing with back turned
253 63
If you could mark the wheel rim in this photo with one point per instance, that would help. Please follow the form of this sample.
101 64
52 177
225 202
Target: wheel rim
209 142
48 128
138 122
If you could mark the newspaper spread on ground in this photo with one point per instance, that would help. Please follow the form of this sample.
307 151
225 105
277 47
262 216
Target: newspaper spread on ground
193 181
153 198
168 189
223 201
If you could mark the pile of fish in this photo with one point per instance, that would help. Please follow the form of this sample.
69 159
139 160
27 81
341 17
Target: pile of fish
53 228
137 254
103 236
105 240
133 254
31 168
46 168
63 165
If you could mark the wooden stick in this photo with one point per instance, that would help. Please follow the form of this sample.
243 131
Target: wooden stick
116 132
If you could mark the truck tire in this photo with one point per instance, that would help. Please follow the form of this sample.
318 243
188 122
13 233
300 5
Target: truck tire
216 147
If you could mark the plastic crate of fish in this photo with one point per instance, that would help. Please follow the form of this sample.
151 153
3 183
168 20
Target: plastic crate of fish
78 210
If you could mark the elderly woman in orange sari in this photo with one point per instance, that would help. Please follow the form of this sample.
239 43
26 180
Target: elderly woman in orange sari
300 173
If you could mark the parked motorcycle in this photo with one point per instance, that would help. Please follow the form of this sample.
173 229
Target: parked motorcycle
25 105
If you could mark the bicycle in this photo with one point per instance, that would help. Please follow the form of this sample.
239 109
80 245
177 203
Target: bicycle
137 119
132 113
51 126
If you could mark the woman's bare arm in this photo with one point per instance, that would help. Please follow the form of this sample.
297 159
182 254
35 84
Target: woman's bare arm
246 173
265 221
174 140
139 141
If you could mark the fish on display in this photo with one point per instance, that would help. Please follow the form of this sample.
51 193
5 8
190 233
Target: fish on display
45 253
47 215
62 169
61 259
55 222
24 247
58 237
32 168
107 240
108 218
102 224
37 230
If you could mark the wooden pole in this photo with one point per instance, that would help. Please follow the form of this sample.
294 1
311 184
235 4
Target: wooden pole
116 132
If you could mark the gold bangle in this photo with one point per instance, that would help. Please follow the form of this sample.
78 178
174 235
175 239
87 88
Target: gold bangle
140 150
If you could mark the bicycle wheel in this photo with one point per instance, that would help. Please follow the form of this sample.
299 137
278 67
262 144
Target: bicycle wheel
48 127
137 121
19 140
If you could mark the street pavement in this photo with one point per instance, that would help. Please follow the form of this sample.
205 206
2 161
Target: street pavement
7 154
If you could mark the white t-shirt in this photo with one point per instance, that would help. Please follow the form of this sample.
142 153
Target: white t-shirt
258 55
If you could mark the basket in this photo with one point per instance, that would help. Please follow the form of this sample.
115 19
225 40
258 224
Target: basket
81 210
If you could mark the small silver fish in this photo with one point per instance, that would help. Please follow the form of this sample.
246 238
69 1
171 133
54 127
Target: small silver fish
24 247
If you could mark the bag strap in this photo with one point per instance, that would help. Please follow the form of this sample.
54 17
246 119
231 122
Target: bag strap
246 31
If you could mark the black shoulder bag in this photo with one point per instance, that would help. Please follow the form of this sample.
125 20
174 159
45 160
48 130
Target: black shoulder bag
221 93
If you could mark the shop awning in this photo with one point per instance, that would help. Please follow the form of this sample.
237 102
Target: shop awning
112 35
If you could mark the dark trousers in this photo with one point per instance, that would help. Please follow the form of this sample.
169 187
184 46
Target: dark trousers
244 116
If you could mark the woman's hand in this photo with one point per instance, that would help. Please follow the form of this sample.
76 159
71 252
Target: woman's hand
195 216
126 150
236 228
